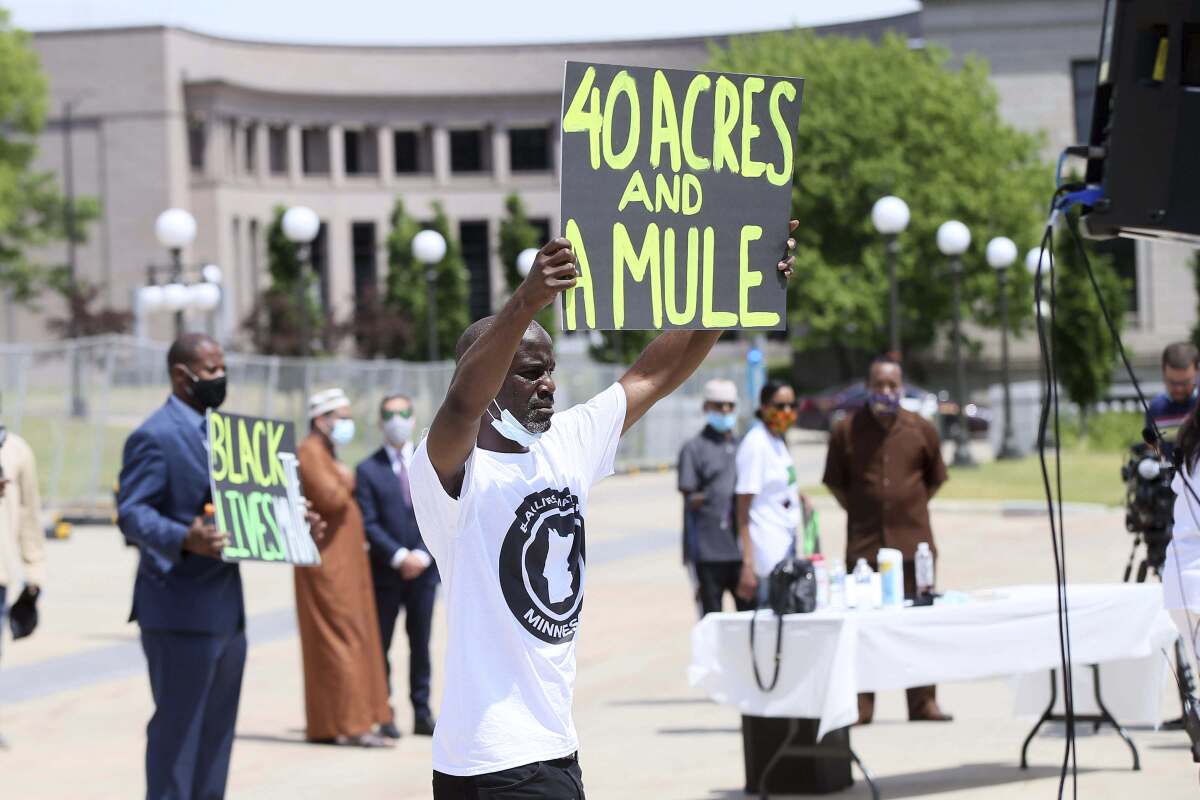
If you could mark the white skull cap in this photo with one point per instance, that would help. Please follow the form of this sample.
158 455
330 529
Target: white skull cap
329 400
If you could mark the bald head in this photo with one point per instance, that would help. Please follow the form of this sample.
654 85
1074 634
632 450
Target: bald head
187 347
481 326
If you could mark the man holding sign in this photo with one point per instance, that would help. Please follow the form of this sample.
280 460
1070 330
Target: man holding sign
500 485
186 599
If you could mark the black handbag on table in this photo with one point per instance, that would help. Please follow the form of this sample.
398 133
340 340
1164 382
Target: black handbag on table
791 589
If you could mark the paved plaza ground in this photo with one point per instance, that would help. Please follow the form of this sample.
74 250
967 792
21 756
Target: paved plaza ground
74 699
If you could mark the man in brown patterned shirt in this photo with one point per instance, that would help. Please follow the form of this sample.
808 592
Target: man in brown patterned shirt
884 465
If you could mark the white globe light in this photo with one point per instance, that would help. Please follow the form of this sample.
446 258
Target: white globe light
1032 258
953 238
212 274
525 260
175 297
890 215
175 228
1001 252
1149 469
429 247
204 296
301 224
150 298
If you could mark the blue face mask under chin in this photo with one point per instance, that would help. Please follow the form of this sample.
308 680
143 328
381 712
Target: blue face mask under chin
722 423
508 427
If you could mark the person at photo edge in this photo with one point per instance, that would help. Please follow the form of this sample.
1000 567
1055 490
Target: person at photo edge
707 476
345 688
1169 410
501 486
1181 569
884 464
186 600
770 509
401 568
20 522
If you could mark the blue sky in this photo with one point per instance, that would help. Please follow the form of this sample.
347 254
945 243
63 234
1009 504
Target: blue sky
453 22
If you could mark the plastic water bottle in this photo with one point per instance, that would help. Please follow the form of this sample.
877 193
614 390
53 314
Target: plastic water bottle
837 585
863 579
924 570
821 574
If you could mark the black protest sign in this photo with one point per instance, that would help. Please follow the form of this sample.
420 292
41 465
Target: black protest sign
676 191
256 494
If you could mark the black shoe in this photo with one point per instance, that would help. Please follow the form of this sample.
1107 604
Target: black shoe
389 730
423 726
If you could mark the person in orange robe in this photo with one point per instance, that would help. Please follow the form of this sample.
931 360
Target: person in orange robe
345 689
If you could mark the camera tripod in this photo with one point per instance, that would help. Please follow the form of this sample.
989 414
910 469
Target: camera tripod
1156 542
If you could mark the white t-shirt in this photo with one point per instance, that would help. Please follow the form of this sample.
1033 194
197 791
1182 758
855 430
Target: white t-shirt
510 551
1181 570
765 469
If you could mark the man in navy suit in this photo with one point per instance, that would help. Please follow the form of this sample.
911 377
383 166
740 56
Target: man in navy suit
187 601
401 566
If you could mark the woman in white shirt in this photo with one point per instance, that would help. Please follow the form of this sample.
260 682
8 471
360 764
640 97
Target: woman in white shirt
1181 570
769 510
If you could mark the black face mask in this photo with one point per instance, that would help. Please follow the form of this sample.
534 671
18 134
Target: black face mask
209 393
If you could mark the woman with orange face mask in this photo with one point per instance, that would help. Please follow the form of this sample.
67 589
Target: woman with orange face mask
769 507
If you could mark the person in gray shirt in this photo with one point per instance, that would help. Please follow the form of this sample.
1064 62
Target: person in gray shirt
707 477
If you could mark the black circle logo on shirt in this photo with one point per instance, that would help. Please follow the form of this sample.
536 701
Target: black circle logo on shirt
542 563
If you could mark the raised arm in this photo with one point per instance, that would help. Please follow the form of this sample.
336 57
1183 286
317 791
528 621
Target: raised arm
671 359
481 370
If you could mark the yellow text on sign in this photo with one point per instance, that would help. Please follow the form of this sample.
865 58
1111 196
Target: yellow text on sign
253 458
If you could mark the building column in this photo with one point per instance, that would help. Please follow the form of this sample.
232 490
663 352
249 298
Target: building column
295 160
337 155
501 164
441 154
262 152
387 156
215 160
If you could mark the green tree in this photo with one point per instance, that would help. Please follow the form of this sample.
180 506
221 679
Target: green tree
286 318
1085 353
32 210
517 234
407 291
884 119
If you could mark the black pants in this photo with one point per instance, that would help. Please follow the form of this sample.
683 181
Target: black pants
416 598
714 579
560 779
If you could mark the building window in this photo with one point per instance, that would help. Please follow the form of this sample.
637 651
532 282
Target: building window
543 229
250 149
409 152
363 258
319 253
529 149
314 151
196 140
467 151
473 238
1123 253
361 151
277 145
1083 81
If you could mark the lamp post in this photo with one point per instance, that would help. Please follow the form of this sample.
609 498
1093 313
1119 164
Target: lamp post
525 260
429 247
175 229
953 239
1001 253
890 217
300 226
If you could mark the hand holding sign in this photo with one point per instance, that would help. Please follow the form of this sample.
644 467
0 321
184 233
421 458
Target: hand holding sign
204 539
552 273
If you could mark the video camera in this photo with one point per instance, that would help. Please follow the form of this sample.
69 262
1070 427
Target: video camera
1149 505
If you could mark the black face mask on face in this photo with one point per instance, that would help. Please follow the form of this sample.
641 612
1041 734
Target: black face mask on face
209 392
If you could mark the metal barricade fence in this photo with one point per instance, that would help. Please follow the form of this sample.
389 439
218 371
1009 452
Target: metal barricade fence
121 380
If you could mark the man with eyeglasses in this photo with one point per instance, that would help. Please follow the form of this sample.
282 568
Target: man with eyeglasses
402 569
1168 410
707 478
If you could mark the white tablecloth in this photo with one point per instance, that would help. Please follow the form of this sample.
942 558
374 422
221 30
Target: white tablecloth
830 656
